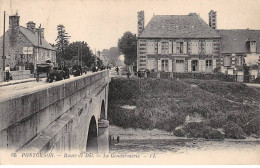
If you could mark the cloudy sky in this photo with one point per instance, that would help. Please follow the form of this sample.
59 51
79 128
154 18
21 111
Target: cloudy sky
102 22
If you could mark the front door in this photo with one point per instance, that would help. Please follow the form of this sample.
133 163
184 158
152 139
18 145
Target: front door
194 65
180 66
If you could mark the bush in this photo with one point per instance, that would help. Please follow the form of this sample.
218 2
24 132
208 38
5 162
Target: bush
232 130
180 132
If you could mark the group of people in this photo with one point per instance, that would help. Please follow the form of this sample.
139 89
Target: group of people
62 72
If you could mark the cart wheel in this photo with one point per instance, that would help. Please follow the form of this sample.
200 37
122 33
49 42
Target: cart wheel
37 77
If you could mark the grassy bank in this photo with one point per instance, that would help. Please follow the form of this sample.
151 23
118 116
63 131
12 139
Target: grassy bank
175 105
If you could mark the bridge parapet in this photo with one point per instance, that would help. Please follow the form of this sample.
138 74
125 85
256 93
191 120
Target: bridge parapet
27 114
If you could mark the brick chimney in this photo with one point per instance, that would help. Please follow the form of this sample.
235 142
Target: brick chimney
41 30
213 19
14 21
140 24
31 26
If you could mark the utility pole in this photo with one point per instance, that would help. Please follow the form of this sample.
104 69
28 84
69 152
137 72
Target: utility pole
4 45
81 54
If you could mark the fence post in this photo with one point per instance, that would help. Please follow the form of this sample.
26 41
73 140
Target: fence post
171 75
158 75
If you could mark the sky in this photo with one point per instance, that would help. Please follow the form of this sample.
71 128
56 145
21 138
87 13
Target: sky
102 22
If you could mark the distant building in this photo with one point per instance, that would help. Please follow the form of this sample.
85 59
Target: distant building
25 46
177 43
238 48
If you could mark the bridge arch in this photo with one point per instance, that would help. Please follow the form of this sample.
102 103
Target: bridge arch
103 110
92 141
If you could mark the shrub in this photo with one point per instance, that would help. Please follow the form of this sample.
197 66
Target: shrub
180 132
232 130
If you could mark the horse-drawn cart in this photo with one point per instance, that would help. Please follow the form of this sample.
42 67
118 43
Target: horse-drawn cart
43 68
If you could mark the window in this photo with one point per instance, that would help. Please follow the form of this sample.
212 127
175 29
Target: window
142 60
179 61
194 48
209 66
208 63
227 61
165 47
165 65
253 46
239 60
142 44
142 52
179 48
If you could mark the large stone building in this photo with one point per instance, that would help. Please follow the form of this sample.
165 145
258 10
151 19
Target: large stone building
186 43
178 43
24 46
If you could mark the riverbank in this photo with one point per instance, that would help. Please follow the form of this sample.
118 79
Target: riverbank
193 109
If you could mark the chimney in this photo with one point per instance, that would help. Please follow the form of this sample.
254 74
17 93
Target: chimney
41 30
31 26
14 21
140 20
213 19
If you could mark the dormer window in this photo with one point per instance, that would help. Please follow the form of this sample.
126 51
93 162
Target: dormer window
252 46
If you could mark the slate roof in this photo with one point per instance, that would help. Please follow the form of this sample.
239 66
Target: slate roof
178 26
33 38
234 40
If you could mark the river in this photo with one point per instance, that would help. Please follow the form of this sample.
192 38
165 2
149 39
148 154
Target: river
176 150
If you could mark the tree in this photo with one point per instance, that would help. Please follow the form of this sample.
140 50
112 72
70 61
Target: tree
127 44
75 50
112 55
62 41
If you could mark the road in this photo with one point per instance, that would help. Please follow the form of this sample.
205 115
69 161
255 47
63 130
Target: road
21 88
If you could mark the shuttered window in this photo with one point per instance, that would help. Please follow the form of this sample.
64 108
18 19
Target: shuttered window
208 47
194 48
227 61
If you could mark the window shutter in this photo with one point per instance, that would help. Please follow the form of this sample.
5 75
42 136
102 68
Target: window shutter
189 65
170 65
178 48
159 47
184 47
149 48
214 64
159 65
208 47
170 47
174 47
202 65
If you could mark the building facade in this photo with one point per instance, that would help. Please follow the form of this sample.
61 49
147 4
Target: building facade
186 43
240 47
177 43
25 46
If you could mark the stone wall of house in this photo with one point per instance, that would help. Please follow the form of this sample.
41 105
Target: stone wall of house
146 59
14 48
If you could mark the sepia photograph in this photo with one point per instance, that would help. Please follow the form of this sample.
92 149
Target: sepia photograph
129 82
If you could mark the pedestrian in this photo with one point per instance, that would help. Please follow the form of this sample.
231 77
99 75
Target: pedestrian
7 73
64 71
117 70
76 69
117 139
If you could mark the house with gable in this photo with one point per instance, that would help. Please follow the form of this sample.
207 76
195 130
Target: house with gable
18 39
177 43
240 47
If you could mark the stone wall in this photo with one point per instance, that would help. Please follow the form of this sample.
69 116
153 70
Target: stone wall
26 116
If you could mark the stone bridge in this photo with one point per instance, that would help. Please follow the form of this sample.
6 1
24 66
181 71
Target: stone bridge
68 115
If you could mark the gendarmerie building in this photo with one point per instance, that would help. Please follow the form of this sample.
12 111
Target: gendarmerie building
178 43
